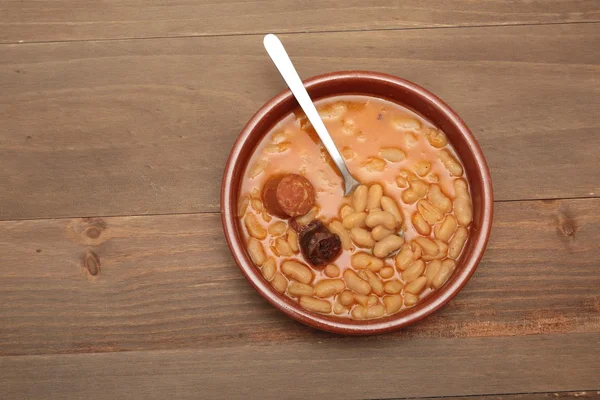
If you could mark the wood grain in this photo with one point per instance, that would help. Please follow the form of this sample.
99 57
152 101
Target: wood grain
333 370
168 282
144 127
52 20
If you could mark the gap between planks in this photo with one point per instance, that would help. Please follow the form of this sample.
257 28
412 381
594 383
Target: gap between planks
299 32
218 212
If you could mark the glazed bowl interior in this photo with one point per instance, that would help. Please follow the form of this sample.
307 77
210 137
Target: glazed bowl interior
409 95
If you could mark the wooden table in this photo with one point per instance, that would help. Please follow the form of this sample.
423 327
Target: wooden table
116 118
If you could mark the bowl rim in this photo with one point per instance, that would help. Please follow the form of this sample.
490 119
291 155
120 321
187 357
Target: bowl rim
347 325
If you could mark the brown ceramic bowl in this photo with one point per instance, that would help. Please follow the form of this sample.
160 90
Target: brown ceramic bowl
402 92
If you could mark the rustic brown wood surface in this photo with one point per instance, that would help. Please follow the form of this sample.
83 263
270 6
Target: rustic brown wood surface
115 279
143 126
169 282
52 20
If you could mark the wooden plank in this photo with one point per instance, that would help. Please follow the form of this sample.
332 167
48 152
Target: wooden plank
584 394
168 282
145 127
335 368
46 20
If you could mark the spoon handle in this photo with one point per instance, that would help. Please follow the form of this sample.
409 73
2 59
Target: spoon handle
288 72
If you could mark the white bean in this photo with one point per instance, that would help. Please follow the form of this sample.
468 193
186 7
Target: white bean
292 238
256 251
362 237
338 308
374 196
436 138
348 153
308 217
379 232
416 286
359 312
243 206
410 299
345 211
361 299
393 286
384 218
268 269
297 271
415 270
392 154
257 205
432 269
417 190
429 213
443 274
333 110
279 137
355 220
374 164
463 207
386 272
277 228
406 257
389 205
277 147
450 162
420 224
346 298
265 215
283 247
433 178
392 303
373 299
366 261
315 305
329 287
429 246
404 122
337 228
332 270
258 168
254 227
463 210
422 168
439 199
445 230
359 198
297 289
387 246
457 242
401 182
443 249
374 281
376 311
279 282
355 283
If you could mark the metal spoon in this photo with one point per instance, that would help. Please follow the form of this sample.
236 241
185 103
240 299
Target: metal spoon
288 72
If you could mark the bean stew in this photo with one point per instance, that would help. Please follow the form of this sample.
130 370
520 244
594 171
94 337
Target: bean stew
371 254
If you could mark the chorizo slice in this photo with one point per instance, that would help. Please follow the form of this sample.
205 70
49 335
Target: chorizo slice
289 195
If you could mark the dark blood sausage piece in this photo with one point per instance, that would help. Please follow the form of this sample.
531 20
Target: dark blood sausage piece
290 195
319 246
